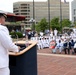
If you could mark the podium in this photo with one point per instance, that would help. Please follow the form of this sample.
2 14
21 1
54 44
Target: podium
24 62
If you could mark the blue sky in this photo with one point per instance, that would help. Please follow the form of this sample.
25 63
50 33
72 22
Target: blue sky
7 5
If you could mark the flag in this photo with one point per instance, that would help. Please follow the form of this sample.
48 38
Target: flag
64 1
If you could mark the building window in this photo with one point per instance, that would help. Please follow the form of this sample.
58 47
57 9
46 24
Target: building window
24 13
23 7
74 19
74 11
28 10
23 10
23 4
17 13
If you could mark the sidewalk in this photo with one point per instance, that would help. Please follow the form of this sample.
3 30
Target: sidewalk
55 64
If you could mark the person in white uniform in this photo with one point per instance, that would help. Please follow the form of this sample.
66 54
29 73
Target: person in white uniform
6 45
55 32
41 33
39 44
51 33
43 42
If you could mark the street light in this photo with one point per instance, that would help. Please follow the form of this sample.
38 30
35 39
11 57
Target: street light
33 14
33 22
61 16
49 14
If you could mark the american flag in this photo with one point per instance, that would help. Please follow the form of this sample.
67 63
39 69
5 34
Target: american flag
64 1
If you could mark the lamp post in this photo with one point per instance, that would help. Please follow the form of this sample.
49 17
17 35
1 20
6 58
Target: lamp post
61 16
49 14
33 14
33 22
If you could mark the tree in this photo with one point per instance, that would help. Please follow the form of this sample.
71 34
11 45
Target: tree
66 23
37 27
42 25
74 24
55 23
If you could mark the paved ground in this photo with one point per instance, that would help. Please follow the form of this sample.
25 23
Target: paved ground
55 64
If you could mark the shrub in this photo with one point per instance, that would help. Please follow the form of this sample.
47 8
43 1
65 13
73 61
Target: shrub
14 34
20 35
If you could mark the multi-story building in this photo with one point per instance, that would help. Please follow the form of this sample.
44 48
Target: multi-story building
41 10
73 8
55 9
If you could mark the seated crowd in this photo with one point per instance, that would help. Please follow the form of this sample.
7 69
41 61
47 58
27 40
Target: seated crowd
66 46
62 44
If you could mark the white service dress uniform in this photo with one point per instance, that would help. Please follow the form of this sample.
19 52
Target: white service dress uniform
55 33
6 45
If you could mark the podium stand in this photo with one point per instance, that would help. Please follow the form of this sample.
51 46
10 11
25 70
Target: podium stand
24 64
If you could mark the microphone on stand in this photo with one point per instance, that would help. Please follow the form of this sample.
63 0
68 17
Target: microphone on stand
16 39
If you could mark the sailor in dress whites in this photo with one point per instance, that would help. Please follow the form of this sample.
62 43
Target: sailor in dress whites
51 33
39 44
6 45
55 32
43 42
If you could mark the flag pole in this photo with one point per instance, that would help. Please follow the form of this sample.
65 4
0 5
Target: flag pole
49 14
61 16
34 14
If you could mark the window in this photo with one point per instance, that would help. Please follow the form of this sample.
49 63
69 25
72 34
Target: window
74 19
74 11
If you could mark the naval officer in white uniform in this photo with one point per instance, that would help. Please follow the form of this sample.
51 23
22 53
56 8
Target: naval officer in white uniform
6 45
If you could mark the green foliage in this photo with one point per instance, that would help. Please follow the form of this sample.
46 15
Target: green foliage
37 27
55 23
74 24
15 23
42 25
20 35
66 23
14 34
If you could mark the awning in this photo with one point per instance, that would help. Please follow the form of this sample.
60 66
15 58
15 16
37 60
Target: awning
17 17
